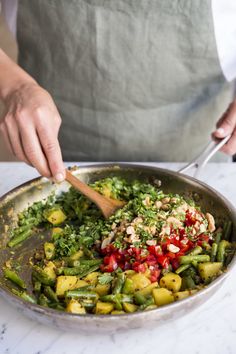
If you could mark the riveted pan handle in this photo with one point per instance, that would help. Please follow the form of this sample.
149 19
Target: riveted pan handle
201 160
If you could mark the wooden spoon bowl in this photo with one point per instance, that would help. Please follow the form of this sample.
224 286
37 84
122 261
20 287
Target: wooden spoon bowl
107 206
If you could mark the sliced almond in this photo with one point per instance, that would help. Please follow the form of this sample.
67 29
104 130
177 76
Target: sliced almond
172 248
211 222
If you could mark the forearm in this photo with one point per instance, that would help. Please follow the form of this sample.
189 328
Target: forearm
12 76
31 120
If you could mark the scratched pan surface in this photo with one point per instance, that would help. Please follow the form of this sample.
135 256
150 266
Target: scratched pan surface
38 189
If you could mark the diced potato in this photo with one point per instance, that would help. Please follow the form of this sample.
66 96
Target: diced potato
148 289
183 294
80 283
77 255
129 307
171 281
49 250
49 269
209 270
129 273
75 307
102 289
140 281
162 296
57 231
150 307
104 308
147 273
117 312
68 282
56 216
92 278
106 191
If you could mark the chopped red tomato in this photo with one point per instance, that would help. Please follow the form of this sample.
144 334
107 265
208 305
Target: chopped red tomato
175 264
110 264
163 261
170 255
155 274
151 260
139 267
190 218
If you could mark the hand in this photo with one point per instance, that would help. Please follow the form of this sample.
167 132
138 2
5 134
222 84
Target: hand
30 128
225 126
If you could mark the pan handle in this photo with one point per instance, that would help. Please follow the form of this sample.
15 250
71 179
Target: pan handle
201 160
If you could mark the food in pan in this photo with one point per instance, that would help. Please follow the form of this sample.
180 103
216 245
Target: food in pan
159 248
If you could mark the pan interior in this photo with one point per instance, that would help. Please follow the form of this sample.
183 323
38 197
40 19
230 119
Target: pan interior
36 190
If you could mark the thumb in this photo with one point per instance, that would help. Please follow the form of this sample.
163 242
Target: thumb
227 123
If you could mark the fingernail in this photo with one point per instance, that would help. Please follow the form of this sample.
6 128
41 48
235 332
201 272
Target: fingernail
59 177
220 131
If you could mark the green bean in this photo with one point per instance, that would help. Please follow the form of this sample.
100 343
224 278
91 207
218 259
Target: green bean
81 271
88 305
42 276
70 271
22 228
118 304
88 253
73 263
14 277
197 258
121 297
227 229
76 294
56 306
194 252
60 270
228 259
192 272
90 262
37 286
24 295
27 297
29 222
195 264
221 250
140 299
182 268
50 294
218 237
119 282
43 300
214 249
229 255
188 283
149 301
19 238
206 246
128 287
117 299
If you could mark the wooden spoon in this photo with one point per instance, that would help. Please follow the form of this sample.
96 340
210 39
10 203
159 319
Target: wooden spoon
107 206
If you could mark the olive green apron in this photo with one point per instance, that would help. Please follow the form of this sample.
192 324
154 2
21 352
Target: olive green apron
133 80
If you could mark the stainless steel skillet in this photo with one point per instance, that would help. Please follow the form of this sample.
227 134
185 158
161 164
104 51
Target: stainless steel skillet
35 190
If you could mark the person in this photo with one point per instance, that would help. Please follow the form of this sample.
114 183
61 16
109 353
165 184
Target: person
129 80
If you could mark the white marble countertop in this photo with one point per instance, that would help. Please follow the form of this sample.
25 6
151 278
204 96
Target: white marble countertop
211 329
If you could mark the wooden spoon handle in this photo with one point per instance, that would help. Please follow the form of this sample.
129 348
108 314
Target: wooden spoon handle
82 187
90 193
